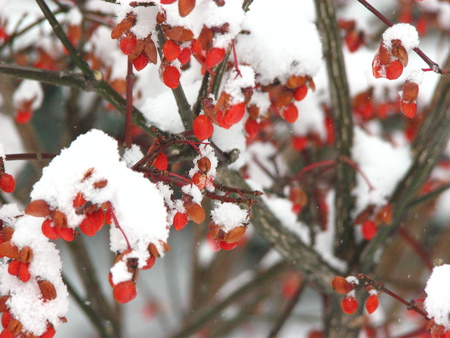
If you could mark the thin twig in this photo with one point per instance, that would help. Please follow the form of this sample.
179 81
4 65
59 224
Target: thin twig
129 105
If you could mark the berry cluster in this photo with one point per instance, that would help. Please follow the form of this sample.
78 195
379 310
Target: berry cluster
349 304
139 51
370 219
389 62
23 263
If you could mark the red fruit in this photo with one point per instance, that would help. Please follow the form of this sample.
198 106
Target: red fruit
213 243
7 183
394 70
251 128
354 40
184 56
150 262
128 43
49 230
6 334
23 116
299 143
371 303
200 180
6 318
214 56
408 108
66 234
171 76
140 62
202 127
185 7
50 333
180 220
368 229
377 69
14 267
341 285
24 272
171 50
349 305
79 200
234 114
124 292
300 92
227 246
161 162
195 212
93 222
196 47
290 114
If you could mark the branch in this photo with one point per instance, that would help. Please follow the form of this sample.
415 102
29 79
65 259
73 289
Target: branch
343 125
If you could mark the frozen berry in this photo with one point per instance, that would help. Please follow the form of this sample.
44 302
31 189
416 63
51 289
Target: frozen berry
7 183
349 305
202 127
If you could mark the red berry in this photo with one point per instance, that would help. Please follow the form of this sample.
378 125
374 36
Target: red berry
299 143
161 162
300 92
371 303
140 62
6 334
184 56
349 305
214 56
353 40
171 50
185 7
408 108
180 220
234 114
200 180
66 234
171 76
6 318
23 116
13 267
196 47
49 230
341 285
124 292
128 43
7 183
195 212
50 333
150 262
93 222
368 229
24 272
202 127
79 200
251 127
394 70
227 246
290 113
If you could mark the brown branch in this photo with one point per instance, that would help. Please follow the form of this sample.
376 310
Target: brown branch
343 126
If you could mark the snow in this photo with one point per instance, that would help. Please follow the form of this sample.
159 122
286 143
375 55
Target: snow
228 216
437 303
137 202
238 81
404 32
28 90
382 163
276 47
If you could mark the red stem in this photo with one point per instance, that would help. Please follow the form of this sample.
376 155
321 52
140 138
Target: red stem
380 287
129 105
417 247
116 223
236 63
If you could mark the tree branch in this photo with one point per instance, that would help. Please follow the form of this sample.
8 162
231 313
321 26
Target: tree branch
343 125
